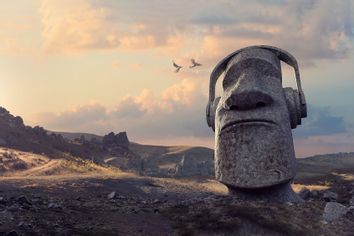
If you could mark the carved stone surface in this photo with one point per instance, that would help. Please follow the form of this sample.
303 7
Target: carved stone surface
254 146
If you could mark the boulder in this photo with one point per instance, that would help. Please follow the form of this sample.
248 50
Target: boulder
333 211
111 195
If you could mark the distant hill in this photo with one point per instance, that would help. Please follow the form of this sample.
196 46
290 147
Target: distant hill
74 136
15 134
325 166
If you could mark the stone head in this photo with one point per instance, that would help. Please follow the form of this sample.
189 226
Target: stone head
253 118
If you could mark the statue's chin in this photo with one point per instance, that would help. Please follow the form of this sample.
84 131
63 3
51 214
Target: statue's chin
254 155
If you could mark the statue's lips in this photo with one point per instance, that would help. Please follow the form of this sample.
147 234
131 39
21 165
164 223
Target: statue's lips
247 122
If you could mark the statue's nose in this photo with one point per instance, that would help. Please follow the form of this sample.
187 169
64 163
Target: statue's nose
248 95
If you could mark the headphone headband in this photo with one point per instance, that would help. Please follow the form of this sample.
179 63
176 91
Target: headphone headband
281 54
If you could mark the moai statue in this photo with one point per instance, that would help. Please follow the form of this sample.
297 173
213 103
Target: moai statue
252 120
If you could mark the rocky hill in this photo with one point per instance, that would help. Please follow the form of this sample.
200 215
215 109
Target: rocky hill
112 149
15 134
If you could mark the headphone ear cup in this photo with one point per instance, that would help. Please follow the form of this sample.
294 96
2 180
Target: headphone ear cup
293 104
211 111
298 106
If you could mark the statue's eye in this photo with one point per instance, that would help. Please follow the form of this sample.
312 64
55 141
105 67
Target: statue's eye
228 81
232 75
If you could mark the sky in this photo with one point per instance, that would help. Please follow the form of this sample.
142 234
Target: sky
100 66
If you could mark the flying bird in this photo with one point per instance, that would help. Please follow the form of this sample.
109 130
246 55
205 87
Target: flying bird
177 66
194 63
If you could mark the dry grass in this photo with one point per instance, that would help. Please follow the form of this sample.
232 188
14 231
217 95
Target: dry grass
35 165
298 187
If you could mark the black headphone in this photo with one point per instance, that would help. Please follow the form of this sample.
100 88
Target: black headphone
295 99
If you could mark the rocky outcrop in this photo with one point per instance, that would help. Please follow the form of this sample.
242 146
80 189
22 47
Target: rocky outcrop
120 139
15 134
334 211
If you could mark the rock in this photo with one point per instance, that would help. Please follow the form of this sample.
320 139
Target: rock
351 210
121 197
333 211
109 138
315 193
156 201
351 201
305 193
2 201
330 196
24 225
13 208
122 139
111 195
53 205
23 200
12 233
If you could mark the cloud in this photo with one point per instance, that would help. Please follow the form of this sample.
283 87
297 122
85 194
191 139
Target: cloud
78 118
310 29
179 111
82 25
212 19
73 26
323 144
129 108
320 122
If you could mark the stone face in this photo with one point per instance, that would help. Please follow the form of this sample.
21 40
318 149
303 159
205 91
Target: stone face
333 211
253 139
